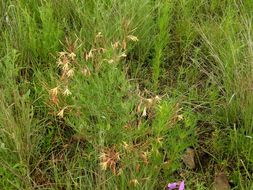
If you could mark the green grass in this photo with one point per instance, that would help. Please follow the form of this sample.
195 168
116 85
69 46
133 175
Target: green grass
110 94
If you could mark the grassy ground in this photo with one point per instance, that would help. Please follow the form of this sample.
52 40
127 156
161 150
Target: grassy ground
110 94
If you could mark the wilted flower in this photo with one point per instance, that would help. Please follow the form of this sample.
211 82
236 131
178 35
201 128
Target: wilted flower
62 53
151 101
144 157
133 38
103 164
108 159
72 55
100 50
65 60
59 62
122 55
124 45
116 45
86 71
180 117
99 35
111 61
65 67
54 94
54 91
126 146
67 92
55 99
134 182
144 113
61 113
70 73
157 98
88 55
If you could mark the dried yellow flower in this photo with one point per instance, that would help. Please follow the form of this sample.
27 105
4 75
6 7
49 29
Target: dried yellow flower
123 55
65 67
62 53
111 61
72 55
89 55
54 91
61 113
70 73
67 92
99 35
144 113
116 45
86 71
124 45
108 159
133 38
103 165
134 182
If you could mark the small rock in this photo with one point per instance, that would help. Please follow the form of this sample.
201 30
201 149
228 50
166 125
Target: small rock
221 182
189 158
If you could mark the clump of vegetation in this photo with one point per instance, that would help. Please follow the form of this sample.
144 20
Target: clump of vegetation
126 94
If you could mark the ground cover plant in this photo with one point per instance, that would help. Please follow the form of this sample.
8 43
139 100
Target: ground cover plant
126 94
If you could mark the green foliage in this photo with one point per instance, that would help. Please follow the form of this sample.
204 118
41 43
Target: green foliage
164 14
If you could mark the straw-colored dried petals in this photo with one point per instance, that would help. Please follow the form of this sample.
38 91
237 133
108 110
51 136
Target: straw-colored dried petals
62 53
116 45
70 73
86 71
72 55
67 92
123 55
65 68
124 45
61 113
88 55
133 38
54 91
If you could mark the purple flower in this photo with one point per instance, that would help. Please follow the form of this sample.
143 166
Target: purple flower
179 185
172 186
